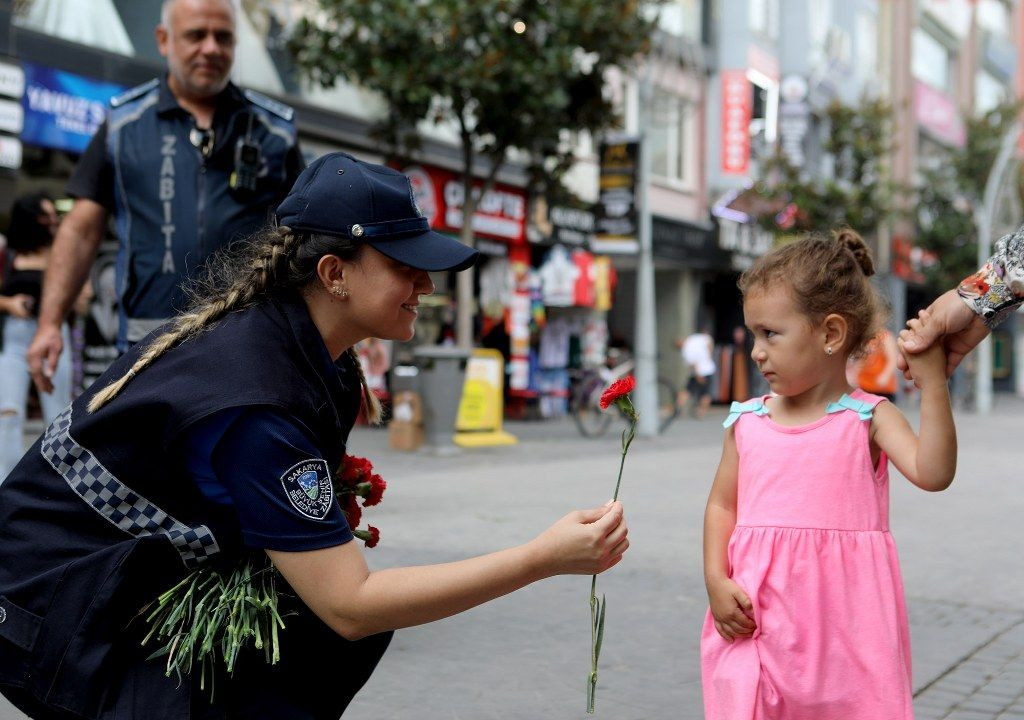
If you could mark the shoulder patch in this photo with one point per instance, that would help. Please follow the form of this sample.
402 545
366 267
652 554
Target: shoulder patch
309 489
285 112
135 93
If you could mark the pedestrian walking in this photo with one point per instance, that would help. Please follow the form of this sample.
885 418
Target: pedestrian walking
185 163
697 351
963 317
29 237
197 446
807 618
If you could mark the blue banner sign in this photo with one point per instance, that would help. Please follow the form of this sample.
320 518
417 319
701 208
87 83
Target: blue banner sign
63 110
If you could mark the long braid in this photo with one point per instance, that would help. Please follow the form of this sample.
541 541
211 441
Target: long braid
373 410
267 261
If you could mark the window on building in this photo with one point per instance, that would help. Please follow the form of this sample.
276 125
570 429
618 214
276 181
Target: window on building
867 45
994 16
670 123
99 27
988 92
764 113
932 61
764 17
681 18
819 13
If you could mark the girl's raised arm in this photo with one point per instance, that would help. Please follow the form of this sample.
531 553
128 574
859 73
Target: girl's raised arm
928 461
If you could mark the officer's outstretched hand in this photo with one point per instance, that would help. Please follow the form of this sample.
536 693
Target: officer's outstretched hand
584 542
43 354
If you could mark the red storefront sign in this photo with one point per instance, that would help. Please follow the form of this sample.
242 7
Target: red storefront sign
500 214
737 107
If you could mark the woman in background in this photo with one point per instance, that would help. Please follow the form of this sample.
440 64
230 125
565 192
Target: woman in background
33 225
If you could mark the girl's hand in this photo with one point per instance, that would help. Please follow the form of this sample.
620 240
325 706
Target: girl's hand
584 542
731 609
927 367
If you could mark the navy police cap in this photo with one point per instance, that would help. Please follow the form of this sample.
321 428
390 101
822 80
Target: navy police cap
344 197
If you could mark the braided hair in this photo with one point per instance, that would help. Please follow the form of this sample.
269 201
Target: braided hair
237 278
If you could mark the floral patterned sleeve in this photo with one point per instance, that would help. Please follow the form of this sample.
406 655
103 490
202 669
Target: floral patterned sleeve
996 290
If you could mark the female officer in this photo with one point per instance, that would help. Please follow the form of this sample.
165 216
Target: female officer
189 450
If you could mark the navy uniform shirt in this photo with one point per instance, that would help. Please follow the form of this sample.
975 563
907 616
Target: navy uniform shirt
265 465
171 192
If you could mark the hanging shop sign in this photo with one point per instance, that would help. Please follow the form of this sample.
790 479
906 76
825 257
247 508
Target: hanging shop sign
693 245
745 242
12 80
794 119
571 226
937 113
63 110
737 108
10 152
617 219
440 196
12 117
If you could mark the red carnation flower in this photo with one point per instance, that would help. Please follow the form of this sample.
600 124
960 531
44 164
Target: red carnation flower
377 486
618 389
354 470
353 513
371 537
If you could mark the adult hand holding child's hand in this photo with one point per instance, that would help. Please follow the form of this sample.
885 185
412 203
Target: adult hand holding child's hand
947 322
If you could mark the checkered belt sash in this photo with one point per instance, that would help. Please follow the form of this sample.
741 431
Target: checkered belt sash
115 501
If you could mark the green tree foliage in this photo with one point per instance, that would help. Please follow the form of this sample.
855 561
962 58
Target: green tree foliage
855 194
952 186
522 74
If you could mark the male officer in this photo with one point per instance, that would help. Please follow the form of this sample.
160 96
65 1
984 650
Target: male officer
186 163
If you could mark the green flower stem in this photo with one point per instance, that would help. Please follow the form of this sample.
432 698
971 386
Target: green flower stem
597 608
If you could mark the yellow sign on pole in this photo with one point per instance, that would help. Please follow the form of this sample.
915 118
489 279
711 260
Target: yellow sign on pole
481 409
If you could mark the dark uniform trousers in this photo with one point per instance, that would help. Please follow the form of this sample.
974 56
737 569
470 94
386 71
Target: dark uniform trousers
100 517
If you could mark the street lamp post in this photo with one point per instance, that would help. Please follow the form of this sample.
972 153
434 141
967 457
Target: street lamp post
983 218
646 351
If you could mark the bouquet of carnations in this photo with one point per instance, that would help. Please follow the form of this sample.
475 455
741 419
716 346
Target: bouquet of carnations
214 613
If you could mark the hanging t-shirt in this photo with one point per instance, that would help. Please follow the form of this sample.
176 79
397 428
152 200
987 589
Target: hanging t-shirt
558 278
554 344
496 286
583 290
604 282
595 341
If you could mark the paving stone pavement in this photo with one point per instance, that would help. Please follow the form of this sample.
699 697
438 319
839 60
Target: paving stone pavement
524 656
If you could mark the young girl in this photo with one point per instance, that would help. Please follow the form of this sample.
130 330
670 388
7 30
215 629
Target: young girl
807 618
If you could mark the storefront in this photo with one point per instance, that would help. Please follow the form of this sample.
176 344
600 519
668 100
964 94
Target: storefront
541 295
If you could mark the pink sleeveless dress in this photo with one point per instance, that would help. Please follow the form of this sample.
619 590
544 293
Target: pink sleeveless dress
813 551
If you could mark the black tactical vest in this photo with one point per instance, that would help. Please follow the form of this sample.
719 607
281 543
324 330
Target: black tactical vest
100 517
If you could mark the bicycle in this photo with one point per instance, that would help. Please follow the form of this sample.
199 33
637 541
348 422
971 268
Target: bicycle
592 421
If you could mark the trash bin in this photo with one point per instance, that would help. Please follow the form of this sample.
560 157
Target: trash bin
442 370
